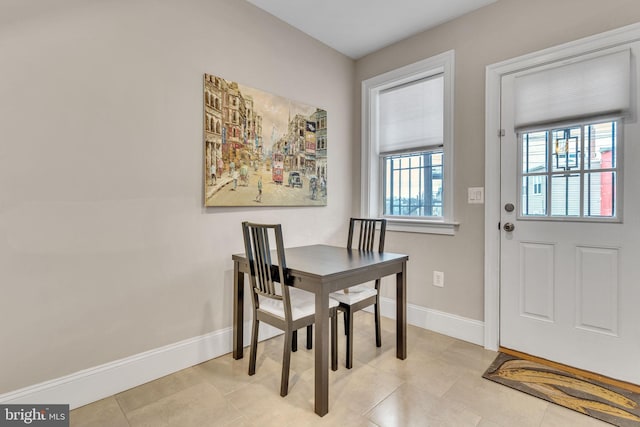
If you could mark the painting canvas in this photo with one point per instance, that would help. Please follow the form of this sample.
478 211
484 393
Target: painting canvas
261 149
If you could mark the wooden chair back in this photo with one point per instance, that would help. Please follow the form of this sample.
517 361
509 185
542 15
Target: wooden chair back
264 273
367 234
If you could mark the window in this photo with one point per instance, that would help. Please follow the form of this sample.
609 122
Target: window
537 188
567 117
407 146
570 172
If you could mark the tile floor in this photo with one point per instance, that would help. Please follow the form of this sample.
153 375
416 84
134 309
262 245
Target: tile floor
439 384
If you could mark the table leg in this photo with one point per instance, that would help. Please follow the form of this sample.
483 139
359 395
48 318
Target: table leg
322 353
238 311
401 313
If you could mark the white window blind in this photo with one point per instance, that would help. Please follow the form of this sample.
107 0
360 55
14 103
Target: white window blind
412 115
590 87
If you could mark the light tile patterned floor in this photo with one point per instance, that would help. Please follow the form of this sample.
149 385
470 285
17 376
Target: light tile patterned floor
439 384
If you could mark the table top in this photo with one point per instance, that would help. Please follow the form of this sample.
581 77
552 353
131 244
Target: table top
326 263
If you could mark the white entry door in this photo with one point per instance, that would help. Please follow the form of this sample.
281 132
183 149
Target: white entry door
570 236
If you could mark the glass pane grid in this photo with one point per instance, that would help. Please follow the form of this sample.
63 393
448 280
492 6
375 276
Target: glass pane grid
569 172
413 184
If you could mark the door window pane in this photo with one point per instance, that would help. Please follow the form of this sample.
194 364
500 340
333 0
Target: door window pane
580 182
566 151
600 194
534 152
534 195
600 146
565 195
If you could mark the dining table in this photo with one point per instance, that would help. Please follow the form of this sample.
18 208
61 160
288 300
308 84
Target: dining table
322 269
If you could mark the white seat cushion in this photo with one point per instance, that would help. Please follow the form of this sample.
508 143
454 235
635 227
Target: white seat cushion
302 304
356 294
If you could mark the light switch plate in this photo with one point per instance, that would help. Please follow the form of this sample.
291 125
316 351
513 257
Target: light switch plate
475 195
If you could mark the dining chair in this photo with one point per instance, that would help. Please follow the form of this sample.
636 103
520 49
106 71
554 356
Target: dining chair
274 301
364 235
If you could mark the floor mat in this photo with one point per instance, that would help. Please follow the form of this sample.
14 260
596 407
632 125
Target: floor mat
602 401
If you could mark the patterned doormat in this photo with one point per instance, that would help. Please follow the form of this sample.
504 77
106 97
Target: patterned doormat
602 401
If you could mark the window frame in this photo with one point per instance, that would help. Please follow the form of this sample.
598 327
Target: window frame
372 168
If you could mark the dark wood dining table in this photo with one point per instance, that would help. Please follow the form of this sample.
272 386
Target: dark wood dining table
323 269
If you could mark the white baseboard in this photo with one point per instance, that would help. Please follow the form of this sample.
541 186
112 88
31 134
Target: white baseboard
462 328
93 384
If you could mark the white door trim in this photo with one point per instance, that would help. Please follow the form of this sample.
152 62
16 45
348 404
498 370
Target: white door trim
494 73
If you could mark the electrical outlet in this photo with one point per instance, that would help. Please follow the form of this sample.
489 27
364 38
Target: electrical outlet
438 279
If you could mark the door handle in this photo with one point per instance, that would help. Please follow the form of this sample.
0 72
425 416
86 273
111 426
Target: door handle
509 227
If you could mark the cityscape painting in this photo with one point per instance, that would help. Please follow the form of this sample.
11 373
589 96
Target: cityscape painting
261 149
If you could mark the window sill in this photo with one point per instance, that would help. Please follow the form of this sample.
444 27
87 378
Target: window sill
424 227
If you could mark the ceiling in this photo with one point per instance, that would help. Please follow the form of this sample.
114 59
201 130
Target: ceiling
359 27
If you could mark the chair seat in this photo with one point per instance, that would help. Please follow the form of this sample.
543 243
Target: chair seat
356 294
303 304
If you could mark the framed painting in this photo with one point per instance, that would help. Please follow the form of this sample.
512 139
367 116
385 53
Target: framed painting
261 149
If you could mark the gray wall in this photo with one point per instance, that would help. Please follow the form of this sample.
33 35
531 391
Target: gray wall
503 30
106 250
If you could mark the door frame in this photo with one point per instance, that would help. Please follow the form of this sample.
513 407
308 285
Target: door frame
492 209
